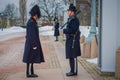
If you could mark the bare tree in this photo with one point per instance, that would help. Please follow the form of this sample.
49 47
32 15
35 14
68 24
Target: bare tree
10 11
66 2
23 12
48 9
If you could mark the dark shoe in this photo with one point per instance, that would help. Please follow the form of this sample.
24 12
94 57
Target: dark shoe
28 76
56 40
71 74
32 76
75 73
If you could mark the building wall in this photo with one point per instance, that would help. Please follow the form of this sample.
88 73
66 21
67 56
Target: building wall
109 34
118 21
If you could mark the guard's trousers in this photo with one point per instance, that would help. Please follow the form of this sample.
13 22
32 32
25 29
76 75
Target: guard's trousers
30 68
73 65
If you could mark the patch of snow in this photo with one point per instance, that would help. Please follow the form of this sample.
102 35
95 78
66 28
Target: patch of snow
12 30
45 28
85 30
47 33
94 60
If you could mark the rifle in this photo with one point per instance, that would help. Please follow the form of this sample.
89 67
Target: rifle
77 12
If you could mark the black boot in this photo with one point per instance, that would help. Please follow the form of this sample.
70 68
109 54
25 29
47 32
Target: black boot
70 74
32 75
72 67
32 71
27 70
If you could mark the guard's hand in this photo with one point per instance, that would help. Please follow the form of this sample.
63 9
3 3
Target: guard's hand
61 30
34 48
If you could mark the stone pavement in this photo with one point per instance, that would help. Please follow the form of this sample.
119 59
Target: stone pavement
54 68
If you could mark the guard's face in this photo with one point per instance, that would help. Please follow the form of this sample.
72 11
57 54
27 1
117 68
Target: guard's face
70 13
35 17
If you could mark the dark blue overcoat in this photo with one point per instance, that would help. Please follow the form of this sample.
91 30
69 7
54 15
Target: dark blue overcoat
56 30
72 48
32 40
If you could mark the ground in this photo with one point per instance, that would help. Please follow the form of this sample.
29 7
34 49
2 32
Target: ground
54 68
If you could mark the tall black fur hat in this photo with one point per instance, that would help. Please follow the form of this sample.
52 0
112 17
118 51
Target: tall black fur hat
72 8
35 11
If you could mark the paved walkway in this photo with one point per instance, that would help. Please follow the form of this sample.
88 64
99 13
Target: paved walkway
54 68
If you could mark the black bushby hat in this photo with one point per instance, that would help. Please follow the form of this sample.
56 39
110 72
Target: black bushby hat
35 11
72 8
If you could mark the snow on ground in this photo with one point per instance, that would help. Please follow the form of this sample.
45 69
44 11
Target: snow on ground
94 60
84 30
47 33
12 30
45 30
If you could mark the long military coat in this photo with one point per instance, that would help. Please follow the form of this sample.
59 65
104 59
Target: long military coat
72 30
56 30
32 40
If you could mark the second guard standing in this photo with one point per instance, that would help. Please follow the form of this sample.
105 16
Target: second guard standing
56 29
72 40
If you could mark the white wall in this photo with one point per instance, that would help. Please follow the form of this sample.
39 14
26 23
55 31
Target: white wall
118 30
109 35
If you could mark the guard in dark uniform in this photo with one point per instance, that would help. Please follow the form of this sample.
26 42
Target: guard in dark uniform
56 29
33 52
72 40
